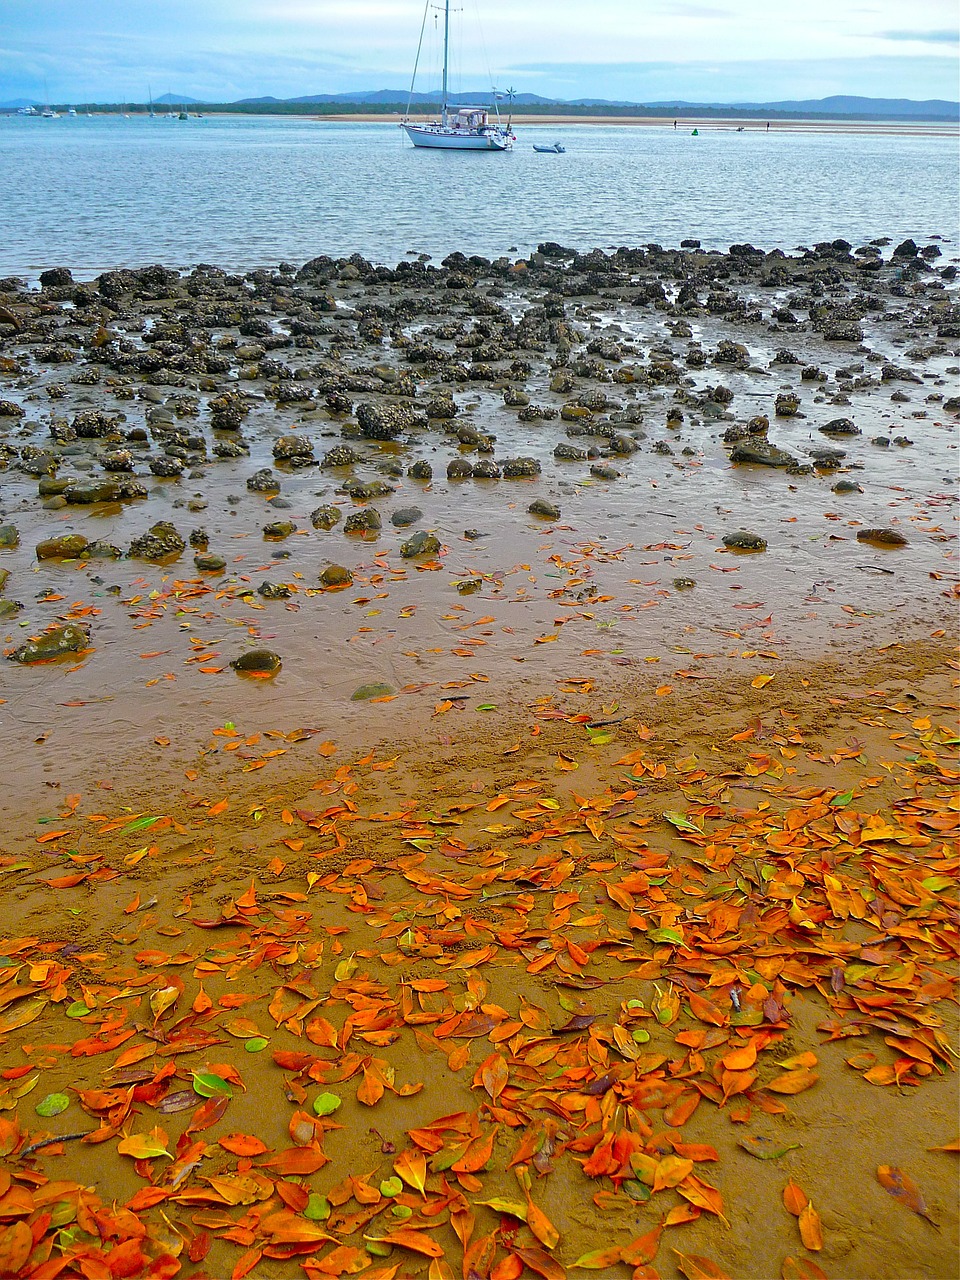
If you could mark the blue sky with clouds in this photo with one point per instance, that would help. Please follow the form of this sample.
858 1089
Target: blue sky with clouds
642 50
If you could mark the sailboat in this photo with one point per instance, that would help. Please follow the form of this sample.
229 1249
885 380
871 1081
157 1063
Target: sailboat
459 128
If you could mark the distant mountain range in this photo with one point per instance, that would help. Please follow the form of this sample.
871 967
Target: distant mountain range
837 106
883 108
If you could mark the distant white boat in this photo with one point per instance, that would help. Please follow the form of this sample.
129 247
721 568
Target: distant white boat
48 114
461 128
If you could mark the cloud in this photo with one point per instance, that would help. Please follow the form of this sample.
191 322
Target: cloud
922 37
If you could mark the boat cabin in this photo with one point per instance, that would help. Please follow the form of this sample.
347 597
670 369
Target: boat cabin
469 119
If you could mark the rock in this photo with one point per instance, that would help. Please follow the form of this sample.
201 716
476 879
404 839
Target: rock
742 540
52 644
387 422
257 662
9 537
207 562
544 508
486 469
87 492
881 442
602 472
366 521
569 453
882 537
787 405
274 591
459 469
9 609
166 467
293 449
905 249
684 584
421 544
847 486
159 542
102 550
469 586
761 453
840 427
405 516
335 575
376 690
421 470
56 278
341 455
364 490
67 546
325 517
842 331
264 481
472 535
519 468
277 530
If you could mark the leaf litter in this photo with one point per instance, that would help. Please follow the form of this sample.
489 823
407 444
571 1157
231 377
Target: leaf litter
569 978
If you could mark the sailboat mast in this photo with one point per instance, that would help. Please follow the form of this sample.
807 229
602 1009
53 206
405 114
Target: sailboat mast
446 50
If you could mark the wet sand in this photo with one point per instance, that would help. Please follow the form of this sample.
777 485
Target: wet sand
501 819
703 123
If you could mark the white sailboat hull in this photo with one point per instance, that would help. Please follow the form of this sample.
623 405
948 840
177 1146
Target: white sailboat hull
456 139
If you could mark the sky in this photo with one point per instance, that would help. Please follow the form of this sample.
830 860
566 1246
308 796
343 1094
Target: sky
640 50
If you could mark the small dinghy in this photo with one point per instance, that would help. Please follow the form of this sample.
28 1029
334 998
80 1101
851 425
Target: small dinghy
555 149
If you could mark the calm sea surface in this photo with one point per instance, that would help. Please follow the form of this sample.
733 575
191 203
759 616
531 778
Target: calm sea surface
240 192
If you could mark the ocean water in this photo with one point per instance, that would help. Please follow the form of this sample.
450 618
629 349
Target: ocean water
244 192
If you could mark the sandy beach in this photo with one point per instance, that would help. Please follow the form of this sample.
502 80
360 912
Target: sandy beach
482 767
703 123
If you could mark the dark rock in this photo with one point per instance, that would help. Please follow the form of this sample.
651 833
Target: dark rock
840 427
264 481
9 537
365 521
519 468
459 469
166 467
52 644
159 542
376 690
420 470
325 517
882 537
335 575
405 516
341 455
293 449
86 492
744 541
274 591
208 562
421 544
761 453
544 508
277 530
67 546
257 662
787 405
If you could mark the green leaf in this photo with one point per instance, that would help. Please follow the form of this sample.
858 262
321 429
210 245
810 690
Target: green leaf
502 1205
666 935
77 1010
641 1036
256 1044
211 1086
599 740
318 1208
53 1104
936 883
682 822
141 824
326 1103
839 801
402 1211
390 1187
487 706
765 1148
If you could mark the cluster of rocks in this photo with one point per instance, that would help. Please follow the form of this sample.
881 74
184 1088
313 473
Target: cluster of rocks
139 384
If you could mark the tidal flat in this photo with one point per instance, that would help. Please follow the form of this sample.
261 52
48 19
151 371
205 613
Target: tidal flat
497 709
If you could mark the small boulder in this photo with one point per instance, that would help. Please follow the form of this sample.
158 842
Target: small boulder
743 540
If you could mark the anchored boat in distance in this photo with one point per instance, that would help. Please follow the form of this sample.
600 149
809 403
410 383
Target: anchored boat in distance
460 128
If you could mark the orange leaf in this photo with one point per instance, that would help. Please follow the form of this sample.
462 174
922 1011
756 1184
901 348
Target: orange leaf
414 1240
801 1269
811 1232
243 1144
411 1166
794 1081
696 1267
643 1249
794 1198
540 1262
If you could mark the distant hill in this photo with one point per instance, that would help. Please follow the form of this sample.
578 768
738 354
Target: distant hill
16 103
838 105
176 100
841 105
